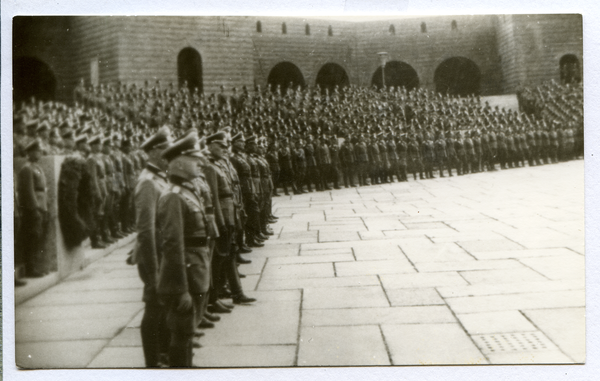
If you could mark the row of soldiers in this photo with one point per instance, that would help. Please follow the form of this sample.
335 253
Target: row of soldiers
198 203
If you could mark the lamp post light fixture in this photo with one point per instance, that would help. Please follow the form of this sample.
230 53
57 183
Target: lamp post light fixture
383 57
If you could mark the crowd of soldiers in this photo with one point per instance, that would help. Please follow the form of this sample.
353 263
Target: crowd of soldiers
194 175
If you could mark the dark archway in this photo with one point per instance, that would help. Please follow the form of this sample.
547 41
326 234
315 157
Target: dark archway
283 74
32 77
330 75
457 76
397 74
570 72
189 68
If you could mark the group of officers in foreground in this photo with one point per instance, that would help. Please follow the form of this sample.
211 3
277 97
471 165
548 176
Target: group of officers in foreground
190 226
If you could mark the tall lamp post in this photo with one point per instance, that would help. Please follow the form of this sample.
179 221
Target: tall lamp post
383 57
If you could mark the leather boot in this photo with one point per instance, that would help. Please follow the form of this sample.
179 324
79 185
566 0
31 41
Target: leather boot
242 260
245 249
242 299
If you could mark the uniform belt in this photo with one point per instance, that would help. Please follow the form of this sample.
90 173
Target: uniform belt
195 241
228 195
256 177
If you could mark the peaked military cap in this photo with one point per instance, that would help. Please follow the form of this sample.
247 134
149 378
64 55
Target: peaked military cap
160 139
96 139
186 145
67 134
34 145
219 138
81 139
107 141
251 139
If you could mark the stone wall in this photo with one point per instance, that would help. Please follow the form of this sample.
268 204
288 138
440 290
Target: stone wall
507 49
531 46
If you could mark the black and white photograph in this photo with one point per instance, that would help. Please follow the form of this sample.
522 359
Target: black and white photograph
233 192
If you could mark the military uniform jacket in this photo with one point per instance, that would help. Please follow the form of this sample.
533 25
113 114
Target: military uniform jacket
182 217
469 147
440 149
31 187
128 172
383 154
299 159
273 159
451 147
309 153
347 154
221 189
285 158
111 179
391 151
360 153
401 149
413 150
151 184
373 149
95 166
239 160
323 156
428 148
118 165
255 170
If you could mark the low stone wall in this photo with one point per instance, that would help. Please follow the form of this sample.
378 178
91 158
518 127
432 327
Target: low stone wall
58 259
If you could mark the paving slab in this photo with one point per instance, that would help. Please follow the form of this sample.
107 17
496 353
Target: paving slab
344 297
414 297
517 275
510 288
570 266
300 283
305 259
524 253
247 325
431 344
306 270
386 266
298 236
467 265
565 327
377 315
421 280
57 354
80 311
51 298
119 357
489 245
128 337
245 356
72 329
520 301
495 322
339 346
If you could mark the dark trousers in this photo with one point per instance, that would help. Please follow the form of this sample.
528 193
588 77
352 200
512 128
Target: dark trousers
181 326
34 224
155 333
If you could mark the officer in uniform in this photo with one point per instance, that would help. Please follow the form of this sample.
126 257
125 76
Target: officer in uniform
220 181
299 166
240 162
273 159
129 180
347 159
184 224
97 171
147 253
414 155
374 160
312 172
286 174
33 201
362 160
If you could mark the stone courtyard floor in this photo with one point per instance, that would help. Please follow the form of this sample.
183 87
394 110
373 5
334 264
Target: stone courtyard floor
479 269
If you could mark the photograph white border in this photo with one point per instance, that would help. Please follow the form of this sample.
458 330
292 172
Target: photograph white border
317 8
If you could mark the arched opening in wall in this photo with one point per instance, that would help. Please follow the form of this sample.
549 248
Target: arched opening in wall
330 76
457 76
397 74
570 72
283 28
32 78
285 74
189 69
258 27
